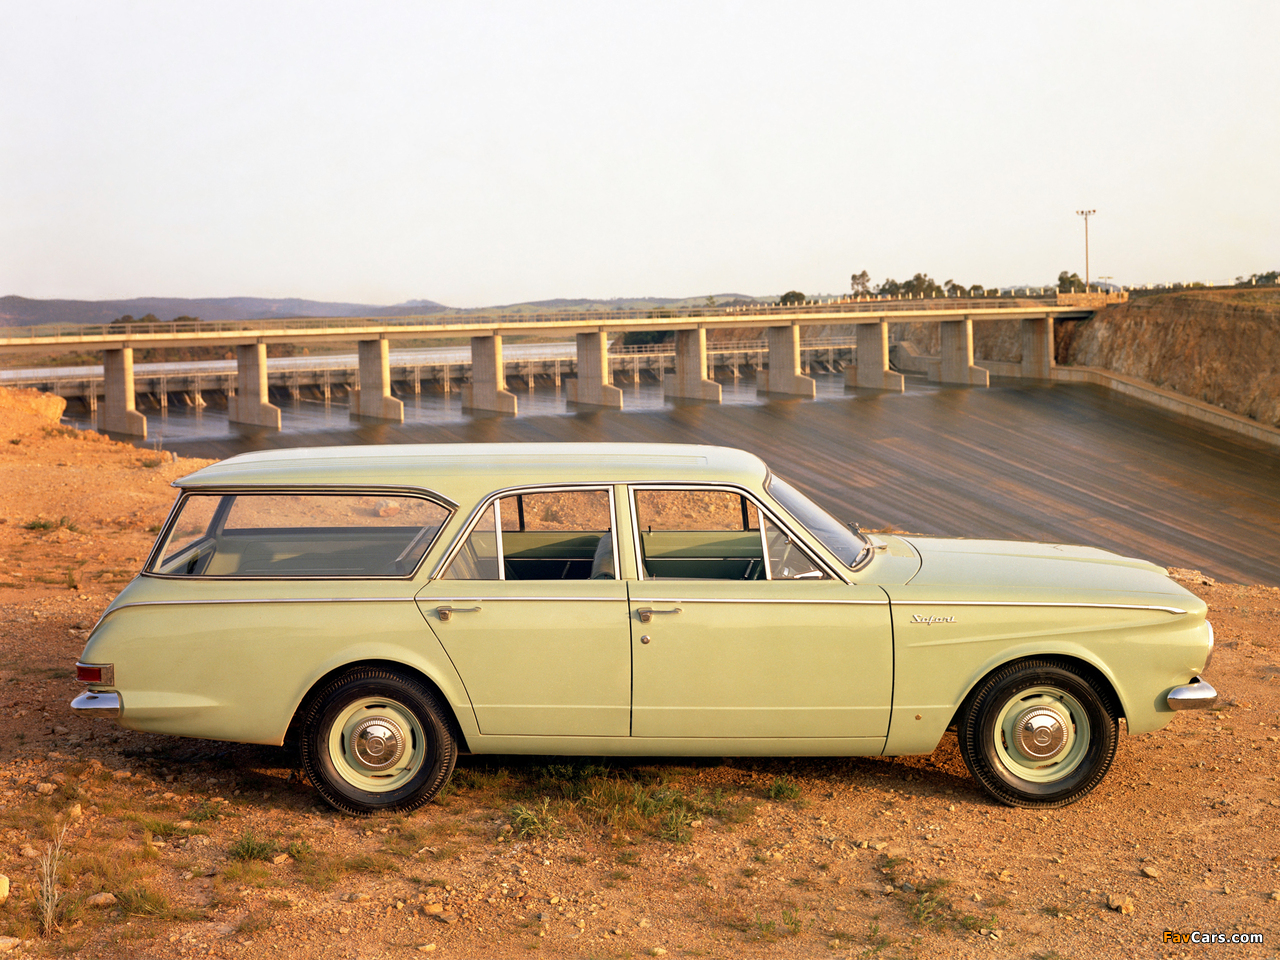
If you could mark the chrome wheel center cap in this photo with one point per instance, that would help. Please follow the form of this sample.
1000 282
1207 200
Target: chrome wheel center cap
1040 733
377 743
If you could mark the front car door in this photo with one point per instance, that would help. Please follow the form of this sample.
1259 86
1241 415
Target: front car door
532 615
738 632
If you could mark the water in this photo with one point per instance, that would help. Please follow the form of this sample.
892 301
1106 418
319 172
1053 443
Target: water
180 425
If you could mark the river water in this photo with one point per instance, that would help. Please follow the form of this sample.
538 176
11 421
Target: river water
1068 463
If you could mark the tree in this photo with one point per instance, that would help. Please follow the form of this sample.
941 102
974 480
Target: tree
1070 283
861 283
922 285
890 288
792 298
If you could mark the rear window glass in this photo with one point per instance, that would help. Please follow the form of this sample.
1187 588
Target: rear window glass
298 535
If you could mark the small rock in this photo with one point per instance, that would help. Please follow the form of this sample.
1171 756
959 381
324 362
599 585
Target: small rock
4 889
9 943
185 824
642 923
101 900
75 812
44 789
387 508
879 846
1275 895
657 952
447 917
426 947
439 908
1120 904
61 731
344 930
122 775
359 897
280 858
1151 873
29 851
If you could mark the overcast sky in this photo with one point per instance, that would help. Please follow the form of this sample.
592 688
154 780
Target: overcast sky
480 153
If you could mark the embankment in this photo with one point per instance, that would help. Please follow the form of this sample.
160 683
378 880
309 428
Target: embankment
1221 347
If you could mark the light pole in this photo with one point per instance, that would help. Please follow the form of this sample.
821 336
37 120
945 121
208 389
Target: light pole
1086 214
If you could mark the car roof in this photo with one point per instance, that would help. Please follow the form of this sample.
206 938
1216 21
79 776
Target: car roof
454 469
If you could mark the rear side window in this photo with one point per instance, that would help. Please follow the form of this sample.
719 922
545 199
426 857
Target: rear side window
290 535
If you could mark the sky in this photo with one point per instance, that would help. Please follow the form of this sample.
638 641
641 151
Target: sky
480 153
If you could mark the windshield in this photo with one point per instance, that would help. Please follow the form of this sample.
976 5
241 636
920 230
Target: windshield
849 546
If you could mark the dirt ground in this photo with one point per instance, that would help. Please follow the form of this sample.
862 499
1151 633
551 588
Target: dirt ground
176 848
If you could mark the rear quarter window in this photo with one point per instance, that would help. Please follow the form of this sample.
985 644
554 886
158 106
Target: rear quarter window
287 535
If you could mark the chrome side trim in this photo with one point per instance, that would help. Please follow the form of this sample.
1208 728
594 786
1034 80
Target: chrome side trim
93 704
1033 603
1196 695
793 600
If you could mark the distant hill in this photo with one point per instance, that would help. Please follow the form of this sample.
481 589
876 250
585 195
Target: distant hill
25 312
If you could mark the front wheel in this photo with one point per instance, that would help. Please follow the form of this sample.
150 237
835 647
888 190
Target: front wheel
1038 734
376 742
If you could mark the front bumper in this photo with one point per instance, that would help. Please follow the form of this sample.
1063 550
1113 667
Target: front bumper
91 703
1196 695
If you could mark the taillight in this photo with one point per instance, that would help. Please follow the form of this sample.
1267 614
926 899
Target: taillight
100 673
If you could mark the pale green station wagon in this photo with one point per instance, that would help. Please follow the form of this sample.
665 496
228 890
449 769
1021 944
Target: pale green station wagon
388 607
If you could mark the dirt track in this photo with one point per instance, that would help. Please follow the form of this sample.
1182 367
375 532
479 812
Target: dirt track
809 858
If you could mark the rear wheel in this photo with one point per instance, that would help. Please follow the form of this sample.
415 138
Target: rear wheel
376 742
1038 734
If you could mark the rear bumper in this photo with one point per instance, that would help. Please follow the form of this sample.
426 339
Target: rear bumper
94 704
1196 695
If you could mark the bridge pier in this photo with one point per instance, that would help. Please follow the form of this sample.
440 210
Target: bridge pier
488 387
957 355
119 412
374 401
690 379
592 386
1037 348
249 405
784 375
870 369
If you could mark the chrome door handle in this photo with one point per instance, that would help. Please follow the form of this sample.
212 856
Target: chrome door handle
646 613
445 613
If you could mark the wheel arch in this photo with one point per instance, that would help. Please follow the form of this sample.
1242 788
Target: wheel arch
1114 703
394 666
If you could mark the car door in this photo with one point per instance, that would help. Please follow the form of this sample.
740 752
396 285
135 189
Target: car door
532 617
737 632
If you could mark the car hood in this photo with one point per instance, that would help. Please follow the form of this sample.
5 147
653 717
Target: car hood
1046 566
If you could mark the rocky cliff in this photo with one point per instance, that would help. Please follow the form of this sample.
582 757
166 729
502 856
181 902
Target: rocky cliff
1219 346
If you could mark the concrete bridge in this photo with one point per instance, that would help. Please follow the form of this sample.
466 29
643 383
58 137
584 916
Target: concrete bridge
248 397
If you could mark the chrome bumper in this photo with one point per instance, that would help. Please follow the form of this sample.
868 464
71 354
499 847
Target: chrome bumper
1196 695
92 704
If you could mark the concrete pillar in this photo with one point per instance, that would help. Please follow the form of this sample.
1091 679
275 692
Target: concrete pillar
592 386
373 400
690 379
1037 348
488 387
957 355
783 375
870 371
119 410
250 404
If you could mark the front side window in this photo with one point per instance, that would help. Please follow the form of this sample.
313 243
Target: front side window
298 535
696 534
540 535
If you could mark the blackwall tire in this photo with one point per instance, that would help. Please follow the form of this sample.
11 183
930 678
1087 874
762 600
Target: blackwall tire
377 742
1039 734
